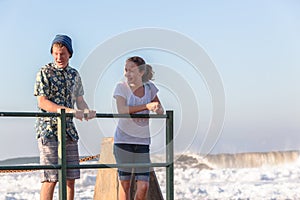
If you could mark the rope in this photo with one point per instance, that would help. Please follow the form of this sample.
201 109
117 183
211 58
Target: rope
88 158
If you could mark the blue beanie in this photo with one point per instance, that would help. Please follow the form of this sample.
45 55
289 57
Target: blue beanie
65 40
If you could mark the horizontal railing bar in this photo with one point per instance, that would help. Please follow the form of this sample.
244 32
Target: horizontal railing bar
28 114
98 115
82 166
29 167
129 165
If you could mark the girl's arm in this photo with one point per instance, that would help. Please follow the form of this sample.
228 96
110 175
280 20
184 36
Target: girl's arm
124 109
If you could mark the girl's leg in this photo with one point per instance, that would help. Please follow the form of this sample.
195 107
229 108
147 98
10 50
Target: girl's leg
124 190
142 190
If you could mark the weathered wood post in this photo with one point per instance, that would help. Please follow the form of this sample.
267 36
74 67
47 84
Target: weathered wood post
107 184
106 187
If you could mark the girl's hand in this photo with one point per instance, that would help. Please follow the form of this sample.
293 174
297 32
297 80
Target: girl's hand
155 107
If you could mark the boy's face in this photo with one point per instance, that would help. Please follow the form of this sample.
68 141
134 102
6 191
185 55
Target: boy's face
61 55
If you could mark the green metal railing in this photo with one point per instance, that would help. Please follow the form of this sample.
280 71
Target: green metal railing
62 164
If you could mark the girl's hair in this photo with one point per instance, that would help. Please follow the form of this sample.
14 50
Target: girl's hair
140 62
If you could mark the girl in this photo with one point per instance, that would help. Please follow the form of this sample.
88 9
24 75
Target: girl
132 136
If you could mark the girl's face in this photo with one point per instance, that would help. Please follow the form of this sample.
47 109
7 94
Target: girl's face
132 73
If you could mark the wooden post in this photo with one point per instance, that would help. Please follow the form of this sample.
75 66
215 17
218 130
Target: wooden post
106 187
107 184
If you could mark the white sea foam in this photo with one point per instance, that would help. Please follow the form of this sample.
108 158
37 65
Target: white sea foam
191 181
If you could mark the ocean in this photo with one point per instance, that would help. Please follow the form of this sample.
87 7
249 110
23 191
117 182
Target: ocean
256 175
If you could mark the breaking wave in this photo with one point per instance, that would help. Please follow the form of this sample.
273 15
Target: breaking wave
237 160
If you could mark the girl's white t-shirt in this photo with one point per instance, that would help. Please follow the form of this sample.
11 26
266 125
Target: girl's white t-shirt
134 130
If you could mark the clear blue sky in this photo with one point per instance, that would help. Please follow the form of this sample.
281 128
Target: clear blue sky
254 45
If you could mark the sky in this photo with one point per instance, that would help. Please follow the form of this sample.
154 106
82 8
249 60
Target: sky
228 69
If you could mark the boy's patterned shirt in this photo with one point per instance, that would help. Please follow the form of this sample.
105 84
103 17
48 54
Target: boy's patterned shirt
62 87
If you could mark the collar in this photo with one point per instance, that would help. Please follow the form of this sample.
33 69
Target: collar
60 69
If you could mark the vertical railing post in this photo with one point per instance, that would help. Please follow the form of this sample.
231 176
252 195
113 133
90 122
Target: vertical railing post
62 159
169 156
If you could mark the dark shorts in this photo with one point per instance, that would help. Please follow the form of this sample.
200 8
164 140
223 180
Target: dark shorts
132 153
49 156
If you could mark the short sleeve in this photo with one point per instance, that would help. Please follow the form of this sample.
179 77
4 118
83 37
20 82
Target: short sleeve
41 87
153 89
120 90
79 86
